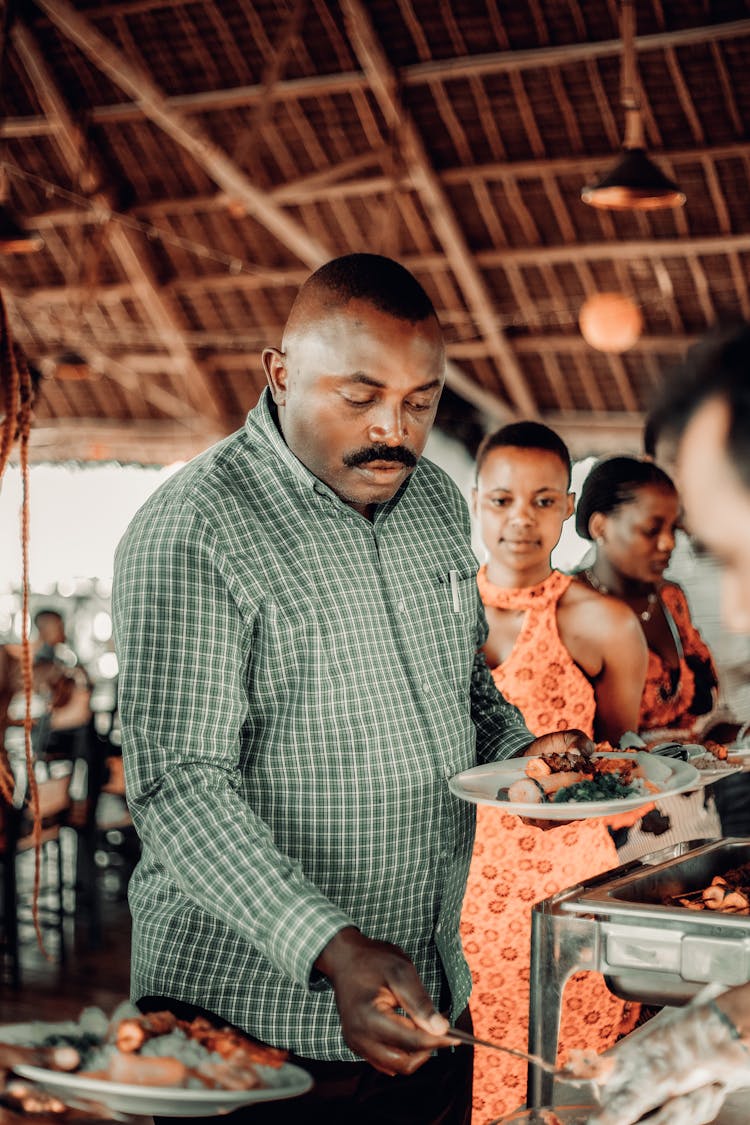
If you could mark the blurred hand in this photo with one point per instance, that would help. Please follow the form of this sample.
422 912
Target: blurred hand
371 979
684 1067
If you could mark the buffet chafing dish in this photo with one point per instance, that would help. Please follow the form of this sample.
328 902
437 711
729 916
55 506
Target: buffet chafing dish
622 924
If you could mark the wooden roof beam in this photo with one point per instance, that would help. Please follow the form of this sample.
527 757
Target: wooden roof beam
127 247
417 74
382 78
189 135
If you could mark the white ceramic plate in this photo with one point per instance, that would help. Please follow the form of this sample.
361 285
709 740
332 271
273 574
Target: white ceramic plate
713 769
481 784
287 1081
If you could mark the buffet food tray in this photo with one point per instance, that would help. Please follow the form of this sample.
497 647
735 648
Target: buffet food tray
626 925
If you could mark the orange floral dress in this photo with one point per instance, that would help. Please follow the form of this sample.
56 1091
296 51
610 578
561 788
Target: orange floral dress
515 866
664 704
667 697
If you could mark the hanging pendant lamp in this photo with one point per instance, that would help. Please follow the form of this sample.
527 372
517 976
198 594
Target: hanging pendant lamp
635 183
14 238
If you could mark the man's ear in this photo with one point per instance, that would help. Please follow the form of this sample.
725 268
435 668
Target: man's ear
274 365
474 503
571 505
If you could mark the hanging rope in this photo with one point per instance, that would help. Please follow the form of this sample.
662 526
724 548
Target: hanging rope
17 394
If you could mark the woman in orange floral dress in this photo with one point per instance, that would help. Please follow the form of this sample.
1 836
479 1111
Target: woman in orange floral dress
567 658
630 509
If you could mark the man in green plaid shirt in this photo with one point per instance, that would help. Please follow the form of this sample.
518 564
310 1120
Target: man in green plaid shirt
299 634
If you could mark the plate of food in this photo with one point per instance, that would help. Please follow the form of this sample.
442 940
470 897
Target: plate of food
149 1064
714 760
575 786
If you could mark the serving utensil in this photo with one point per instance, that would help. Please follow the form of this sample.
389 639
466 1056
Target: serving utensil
561 1072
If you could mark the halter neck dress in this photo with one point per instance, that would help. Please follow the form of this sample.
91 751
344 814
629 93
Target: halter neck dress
515 866
667 697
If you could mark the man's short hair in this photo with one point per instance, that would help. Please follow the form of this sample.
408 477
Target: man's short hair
716 367
381 282
524 435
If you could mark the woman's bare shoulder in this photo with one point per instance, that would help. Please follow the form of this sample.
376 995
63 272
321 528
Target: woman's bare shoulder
603 613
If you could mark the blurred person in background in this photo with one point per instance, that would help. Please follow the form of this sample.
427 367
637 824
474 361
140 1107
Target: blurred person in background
567 657
630 509
699 573
686 1066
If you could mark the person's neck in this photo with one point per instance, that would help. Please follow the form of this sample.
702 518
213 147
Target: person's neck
608 580
512 578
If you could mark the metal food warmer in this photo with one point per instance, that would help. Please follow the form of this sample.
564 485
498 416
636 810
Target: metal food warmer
625 925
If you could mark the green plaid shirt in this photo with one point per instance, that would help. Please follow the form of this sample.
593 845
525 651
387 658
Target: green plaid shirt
296 686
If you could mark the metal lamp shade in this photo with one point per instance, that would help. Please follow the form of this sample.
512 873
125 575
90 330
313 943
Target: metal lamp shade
14 239
634 184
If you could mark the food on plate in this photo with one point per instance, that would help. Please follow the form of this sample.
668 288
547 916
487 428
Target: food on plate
156 1049
728 893
577 776
549 1117
51 1058
28 1099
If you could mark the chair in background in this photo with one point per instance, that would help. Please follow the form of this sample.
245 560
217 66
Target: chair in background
17 860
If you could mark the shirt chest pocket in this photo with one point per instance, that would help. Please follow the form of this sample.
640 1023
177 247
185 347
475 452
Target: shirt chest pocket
448 621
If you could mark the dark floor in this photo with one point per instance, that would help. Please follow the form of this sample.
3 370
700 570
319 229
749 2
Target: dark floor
51 990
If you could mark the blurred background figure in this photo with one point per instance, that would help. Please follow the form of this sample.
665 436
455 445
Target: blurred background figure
630 509
692 1061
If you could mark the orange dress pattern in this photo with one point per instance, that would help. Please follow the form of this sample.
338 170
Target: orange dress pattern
665 704
515 866
661 706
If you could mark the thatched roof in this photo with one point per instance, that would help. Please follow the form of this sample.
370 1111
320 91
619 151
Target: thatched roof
188 162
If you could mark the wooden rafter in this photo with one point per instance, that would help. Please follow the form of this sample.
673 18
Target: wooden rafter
196 383
384 86
219 166
417 74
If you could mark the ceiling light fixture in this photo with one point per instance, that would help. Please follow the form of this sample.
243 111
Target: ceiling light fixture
71 366
14 238
635 183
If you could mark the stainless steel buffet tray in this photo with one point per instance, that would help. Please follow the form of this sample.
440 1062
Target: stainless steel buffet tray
623 924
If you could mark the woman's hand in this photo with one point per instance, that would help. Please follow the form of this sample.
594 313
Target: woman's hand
559 741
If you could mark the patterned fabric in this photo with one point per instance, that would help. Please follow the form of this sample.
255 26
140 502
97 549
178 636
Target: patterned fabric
515 866
662 704
540 675
296 685
689 816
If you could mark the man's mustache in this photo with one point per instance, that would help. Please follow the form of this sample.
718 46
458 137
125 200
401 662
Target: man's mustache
398 453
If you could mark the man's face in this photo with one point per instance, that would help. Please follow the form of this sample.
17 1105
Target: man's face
356 392
717 507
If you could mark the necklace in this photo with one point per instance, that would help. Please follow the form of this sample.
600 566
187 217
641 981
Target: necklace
651 599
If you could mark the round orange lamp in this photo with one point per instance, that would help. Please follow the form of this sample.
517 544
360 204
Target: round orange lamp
610 322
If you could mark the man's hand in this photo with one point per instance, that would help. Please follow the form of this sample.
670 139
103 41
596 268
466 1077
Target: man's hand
371 979
683 1067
